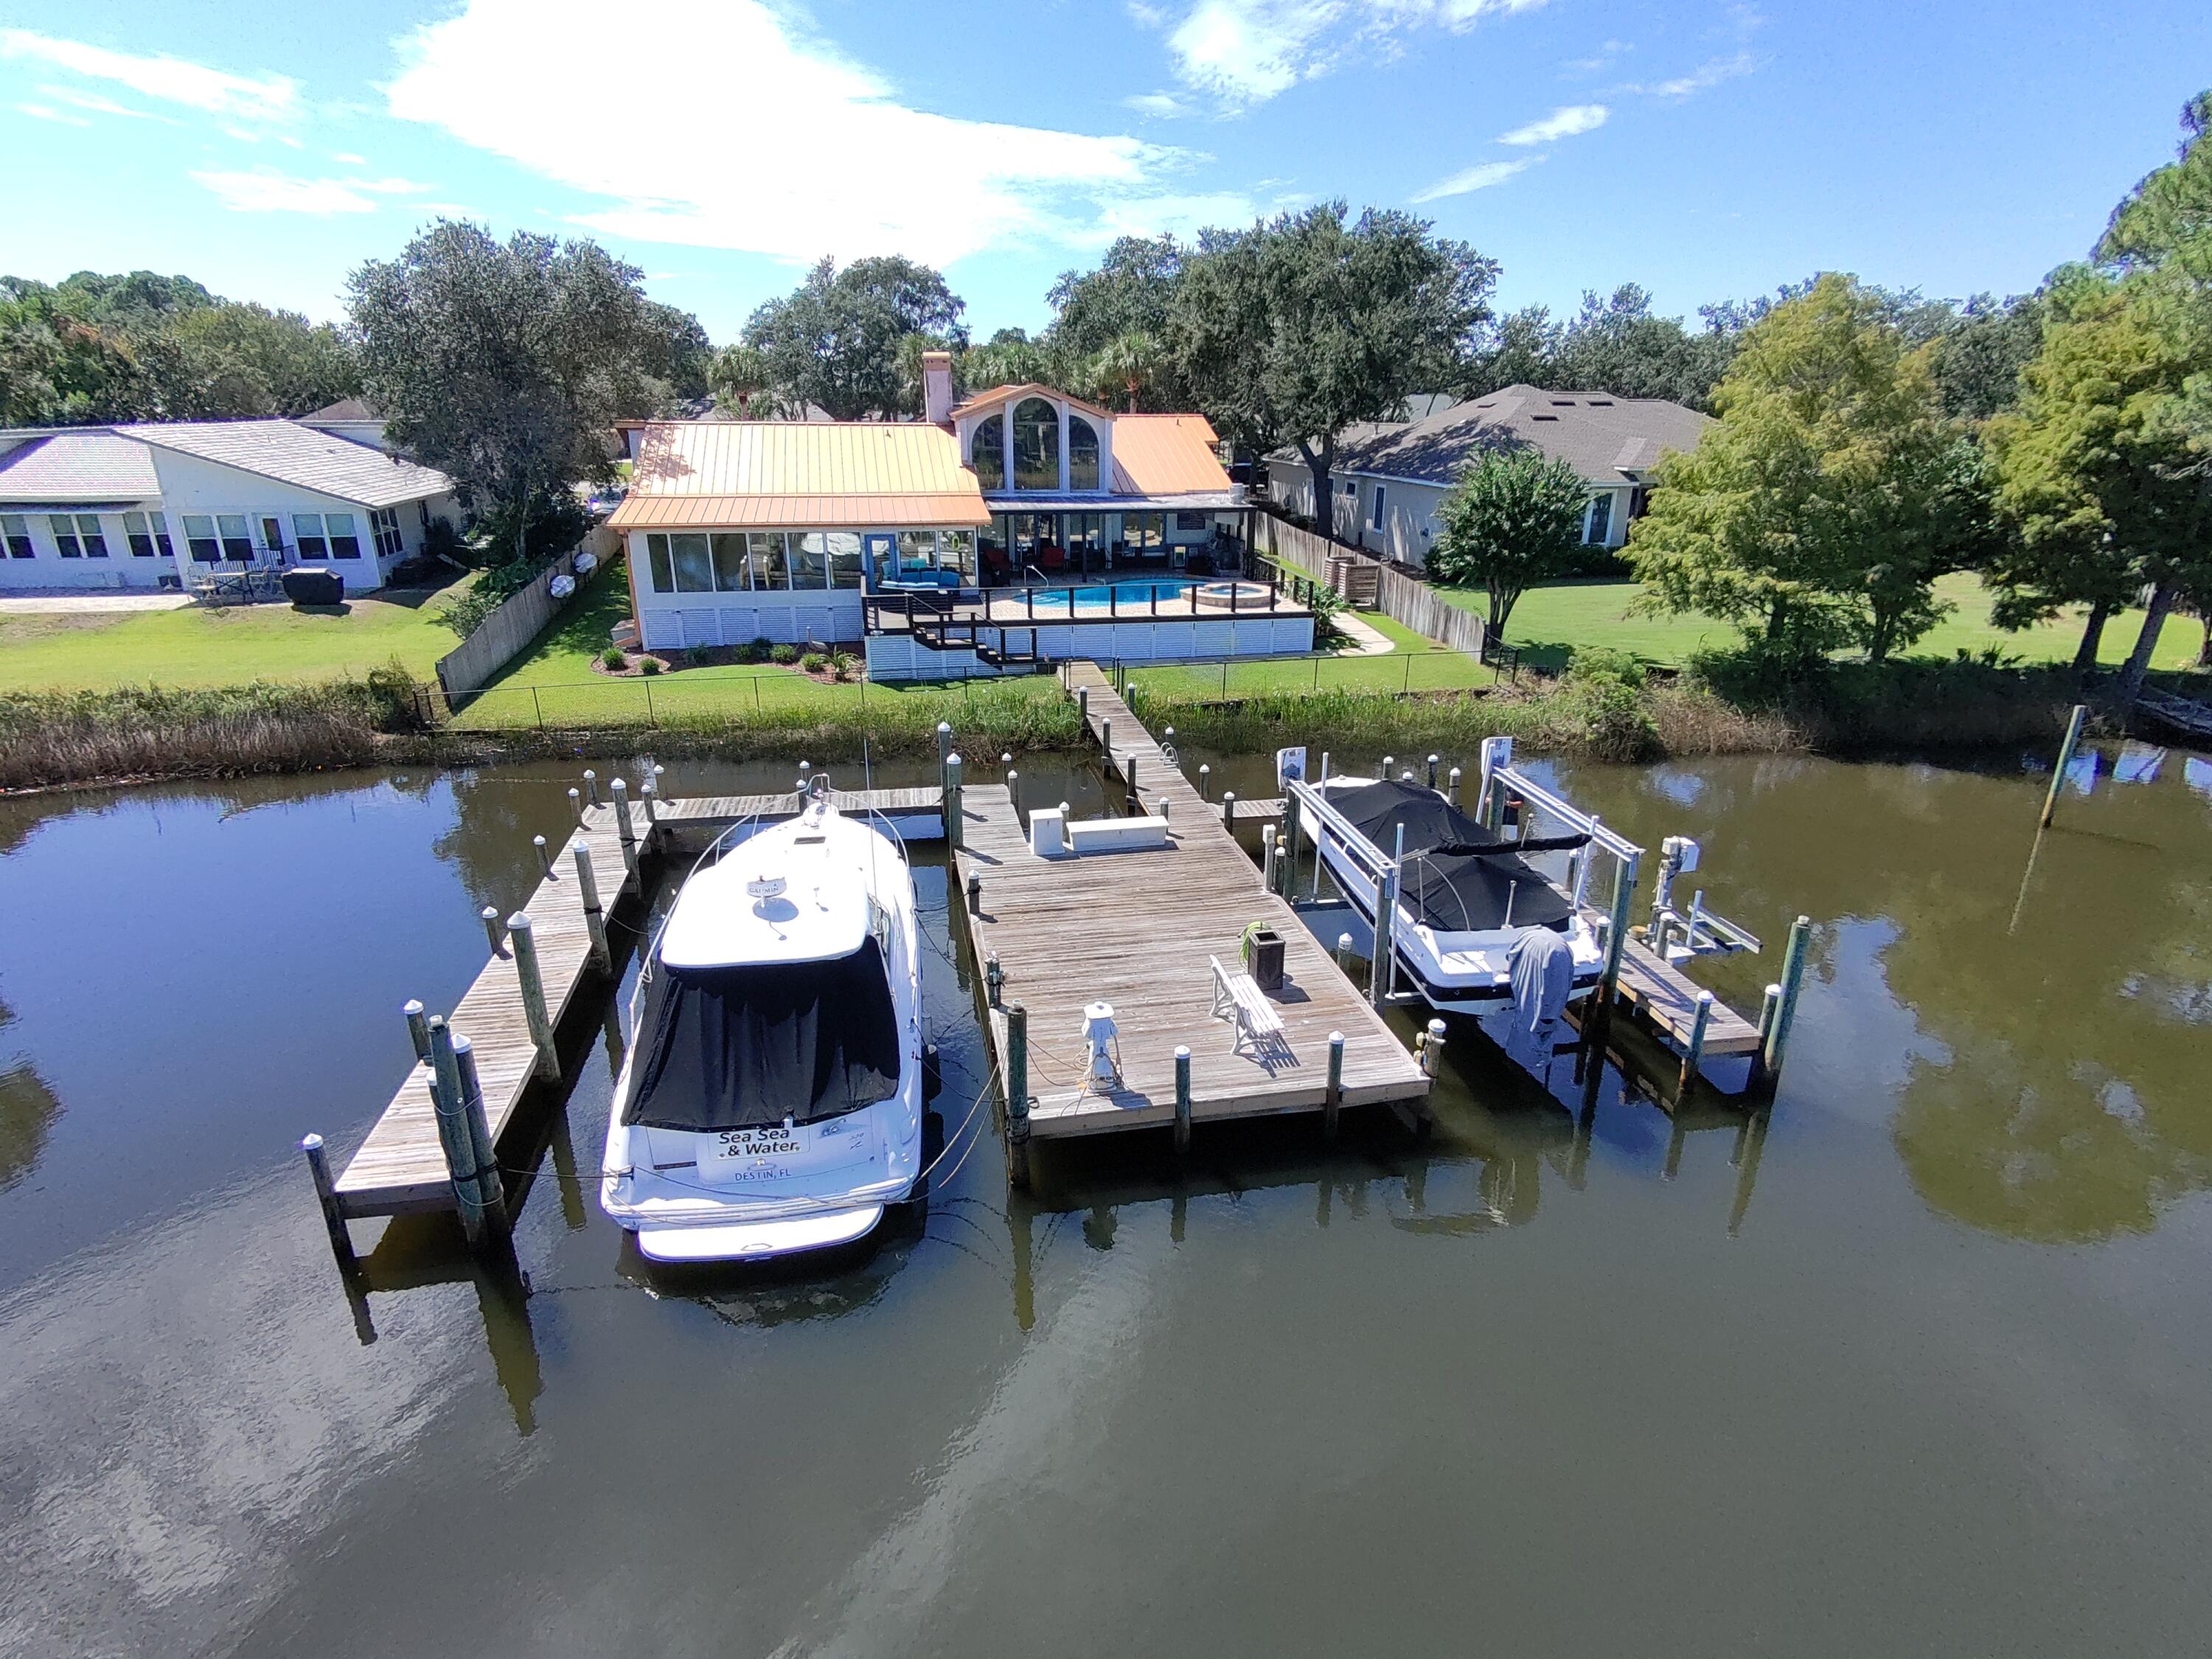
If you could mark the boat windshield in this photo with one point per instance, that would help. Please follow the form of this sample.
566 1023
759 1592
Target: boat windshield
741 1047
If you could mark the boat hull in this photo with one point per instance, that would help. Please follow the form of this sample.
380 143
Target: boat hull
759 1240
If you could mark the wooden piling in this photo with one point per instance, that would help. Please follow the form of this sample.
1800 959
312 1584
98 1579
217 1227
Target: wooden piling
532 985
974 891
1434 761
2074 725
1624 894
418 1028
623 827
453 1137
1182 1098
1289 839
592 786
576 805
943 750
544 855
1268 856
953 819
995 979
1451 793
491 1188
648 796
1332 1100
1785 1005
1694 1054
1766 1007
1229 811
1205 781
494 932
1345 954
319 1169
1433 1047
1017 1094
595 915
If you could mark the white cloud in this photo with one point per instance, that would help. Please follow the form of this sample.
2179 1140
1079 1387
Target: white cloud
47 112
1699 79
266 192
817 156
98 105
346 158
1481 176
173 80
1163 105
1246 51
1563 122
389 186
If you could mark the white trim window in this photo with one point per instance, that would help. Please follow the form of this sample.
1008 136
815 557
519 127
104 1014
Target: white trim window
384 525
148 533
77 535
1597 523
320 536
200 539
1375 519
16 528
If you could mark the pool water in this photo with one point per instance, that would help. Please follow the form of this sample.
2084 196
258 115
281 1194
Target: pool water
1123 594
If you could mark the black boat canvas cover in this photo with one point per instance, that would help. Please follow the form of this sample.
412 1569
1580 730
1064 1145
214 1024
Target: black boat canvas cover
739 1047
1458 877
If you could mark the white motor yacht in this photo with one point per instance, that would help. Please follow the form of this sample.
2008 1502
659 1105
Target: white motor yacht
773 1099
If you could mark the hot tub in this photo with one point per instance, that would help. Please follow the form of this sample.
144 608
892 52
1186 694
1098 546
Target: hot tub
1231 595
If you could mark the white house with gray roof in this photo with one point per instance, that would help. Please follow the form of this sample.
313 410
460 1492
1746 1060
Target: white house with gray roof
156 505
1390 477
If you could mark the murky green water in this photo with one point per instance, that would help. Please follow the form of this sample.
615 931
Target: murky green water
1921 1369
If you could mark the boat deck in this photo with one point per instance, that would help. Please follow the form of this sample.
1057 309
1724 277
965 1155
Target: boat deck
1136 929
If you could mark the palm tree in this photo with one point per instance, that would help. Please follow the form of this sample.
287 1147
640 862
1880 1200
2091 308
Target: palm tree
739 375
1128 363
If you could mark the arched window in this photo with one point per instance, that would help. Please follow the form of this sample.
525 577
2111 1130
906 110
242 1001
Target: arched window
1036 445
1082 453
988 452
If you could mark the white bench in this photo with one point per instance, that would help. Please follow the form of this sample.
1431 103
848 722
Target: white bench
1117 835
1237 997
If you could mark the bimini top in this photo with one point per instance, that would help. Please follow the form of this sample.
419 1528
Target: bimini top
737 1047
1458 877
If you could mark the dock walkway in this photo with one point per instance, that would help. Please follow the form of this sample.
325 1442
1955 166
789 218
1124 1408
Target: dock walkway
1136 929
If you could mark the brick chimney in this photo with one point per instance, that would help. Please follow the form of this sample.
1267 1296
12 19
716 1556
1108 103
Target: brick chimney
937 388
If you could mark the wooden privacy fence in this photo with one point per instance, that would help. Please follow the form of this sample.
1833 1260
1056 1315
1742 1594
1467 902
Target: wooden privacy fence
1403 599
517 620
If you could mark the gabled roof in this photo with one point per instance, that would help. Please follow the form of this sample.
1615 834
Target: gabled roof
78 468
300 455
346 409
1607 440
1166 455
1001 394
799 475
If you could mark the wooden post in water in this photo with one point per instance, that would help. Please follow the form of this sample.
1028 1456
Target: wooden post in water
1229 811
592 786
576 805
595 915
953 824
1345 953
489 916
1766 1007
995 979
1014 793
453 1137
1616 941
1452 793
648 797
531 984
1785 1006
975 892
1182 1098
1017 1094
544 855
1696 1054
2074 725
1434 761
418 1028
623 827
1205 781
1433 1047
1082 710
326 1195
1332 1100
491 1189
1106 741
943 750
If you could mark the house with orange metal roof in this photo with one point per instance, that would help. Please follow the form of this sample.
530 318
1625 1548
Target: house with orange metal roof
1011 528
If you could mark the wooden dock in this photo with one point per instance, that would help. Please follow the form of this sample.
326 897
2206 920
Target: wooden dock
1664 996
401 1166
1136 929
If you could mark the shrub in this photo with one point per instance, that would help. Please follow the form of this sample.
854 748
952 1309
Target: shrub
783 655
467 614
1604 691
648 665
442 541
814 662
612 658
842 664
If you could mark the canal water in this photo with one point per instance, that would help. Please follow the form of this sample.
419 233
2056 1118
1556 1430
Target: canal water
1918 1366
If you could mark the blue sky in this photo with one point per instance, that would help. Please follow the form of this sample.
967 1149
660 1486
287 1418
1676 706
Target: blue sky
1704 149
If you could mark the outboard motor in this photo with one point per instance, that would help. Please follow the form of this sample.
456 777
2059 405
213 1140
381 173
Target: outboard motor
1542 968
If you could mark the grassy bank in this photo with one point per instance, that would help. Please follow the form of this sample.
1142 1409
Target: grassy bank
226 646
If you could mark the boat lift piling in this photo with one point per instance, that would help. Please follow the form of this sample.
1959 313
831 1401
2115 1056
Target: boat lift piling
2074 725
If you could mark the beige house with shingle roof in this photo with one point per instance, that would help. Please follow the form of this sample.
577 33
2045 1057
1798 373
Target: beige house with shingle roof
166 504
1390 477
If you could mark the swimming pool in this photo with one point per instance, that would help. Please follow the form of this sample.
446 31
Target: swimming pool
1121 596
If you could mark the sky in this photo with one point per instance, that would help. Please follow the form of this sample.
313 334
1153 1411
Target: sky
1707 149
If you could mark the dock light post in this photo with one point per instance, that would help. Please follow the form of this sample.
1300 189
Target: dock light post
1332 1100
491 1191
595 915
1182 1098
531 984
489 916
592 786
1018 1094
2074 725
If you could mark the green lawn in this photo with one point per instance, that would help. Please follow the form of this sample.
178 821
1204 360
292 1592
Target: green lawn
1417 665
197 647
1550 622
